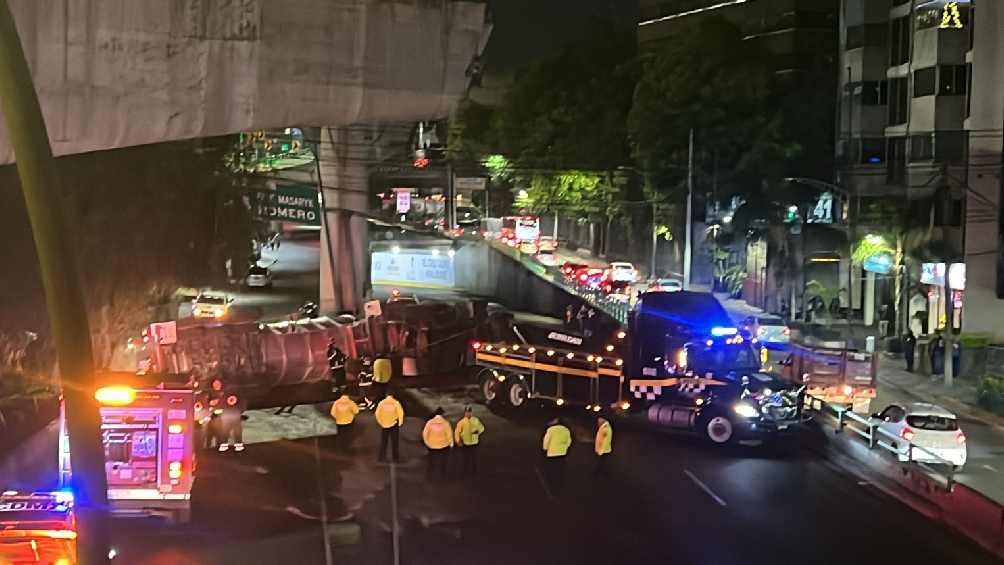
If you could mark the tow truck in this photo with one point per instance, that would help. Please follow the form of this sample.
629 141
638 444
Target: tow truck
147 425
38 527
679 364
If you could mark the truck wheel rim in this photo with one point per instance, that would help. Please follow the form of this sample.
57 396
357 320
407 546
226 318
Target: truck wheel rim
488 389
517 394
719 429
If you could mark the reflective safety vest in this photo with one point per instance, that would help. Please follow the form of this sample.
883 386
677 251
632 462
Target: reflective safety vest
557 440
469 430
437 433
382 370
389 413
344 410
604 439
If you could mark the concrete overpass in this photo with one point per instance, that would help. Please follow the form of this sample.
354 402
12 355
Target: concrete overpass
118 73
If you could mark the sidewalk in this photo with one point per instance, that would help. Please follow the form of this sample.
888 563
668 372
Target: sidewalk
984 470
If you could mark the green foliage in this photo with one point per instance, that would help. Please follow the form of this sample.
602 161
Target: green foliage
990 393
825 293
752 126
560 133
869 247
974 340
733 280
664 232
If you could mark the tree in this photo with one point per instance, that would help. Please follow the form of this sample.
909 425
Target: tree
753 127
561 128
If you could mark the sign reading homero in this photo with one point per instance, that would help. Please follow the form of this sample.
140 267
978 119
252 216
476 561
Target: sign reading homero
295 203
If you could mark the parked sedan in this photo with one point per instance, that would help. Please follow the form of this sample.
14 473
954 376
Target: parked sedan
932 428
664 285
623 271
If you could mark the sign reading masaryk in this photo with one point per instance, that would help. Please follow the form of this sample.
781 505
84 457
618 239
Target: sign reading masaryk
295 203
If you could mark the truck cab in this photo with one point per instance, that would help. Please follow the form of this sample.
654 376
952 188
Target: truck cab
694 371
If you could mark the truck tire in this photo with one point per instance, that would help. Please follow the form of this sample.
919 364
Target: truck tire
518 392
489 386
718 429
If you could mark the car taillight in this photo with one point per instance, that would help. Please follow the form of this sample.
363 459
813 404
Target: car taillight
231 400
199 406
907 434
848 390
475 345
583 277
960 438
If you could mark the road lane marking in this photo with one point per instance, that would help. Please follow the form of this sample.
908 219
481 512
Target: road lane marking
989 468
704 487
543 483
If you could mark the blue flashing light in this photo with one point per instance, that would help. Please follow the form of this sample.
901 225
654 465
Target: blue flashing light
719 331
63 496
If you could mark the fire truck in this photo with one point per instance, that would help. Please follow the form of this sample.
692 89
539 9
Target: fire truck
38 527
147 426
679 364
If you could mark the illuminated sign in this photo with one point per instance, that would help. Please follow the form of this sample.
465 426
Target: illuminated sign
951 18
565 338
957 276
32 506
412 269
403 200
879 263
933 273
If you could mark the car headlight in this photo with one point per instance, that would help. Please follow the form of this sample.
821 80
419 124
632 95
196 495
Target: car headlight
745 409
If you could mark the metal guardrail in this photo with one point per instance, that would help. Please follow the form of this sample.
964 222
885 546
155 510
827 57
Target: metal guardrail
868 429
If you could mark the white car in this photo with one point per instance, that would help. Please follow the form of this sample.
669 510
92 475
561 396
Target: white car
620 271
933 429
211 305
768 329
258 277
664 285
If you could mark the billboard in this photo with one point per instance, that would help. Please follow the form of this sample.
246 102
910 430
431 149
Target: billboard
412 269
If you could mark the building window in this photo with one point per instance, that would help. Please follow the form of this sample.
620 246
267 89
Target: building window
952 80
898 100
900 33
951 146
867 35
874 93
923 82
873 150
921 147
896 173
969 89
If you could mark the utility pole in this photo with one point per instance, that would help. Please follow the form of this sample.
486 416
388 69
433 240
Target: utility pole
64 300
687 248
655 239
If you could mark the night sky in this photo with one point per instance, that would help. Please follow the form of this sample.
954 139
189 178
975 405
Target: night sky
525 30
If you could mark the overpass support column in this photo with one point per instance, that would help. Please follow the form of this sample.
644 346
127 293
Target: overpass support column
343 156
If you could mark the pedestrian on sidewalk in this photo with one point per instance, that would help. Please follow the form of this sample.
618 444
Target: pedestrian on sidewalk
557 440
390 417
438 439
467 434
603 445
937 353
569 315
909 347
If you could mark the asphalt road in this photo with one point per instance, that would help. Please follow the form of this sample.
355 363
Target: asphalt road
668 499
